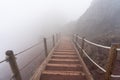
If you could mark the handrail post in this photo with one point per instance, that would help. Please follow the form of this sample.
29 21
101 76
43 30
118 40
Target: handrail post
45 47
56 37
83 42
76 38
13 65
53 40
73 37
111 60
82 45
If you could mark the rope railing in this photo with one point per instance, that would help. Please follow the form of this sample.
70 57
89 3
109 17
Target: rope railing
23 51
97 45
11 57
112 55
115 76
102 69
28 48
32 60
3 61
12 77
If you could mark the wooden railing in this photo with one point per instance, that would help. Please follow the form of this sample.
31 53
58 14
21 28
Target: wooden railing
11 57
111 56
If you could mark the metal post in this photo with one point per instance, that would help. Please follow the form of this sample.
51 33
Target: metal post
111 60
13 65
53 41
45 47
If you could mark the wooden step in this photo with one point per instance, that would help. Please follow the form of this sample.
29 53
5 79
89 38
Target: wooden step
72 60
72 53
64 56
65 73
60 77
64 50
64 65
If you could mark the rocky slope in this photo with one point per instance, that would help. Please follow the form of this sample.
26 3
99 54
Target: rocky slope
102 18
100 24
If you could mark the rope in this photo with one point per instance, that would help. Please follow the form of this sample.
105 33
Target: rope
115 76
30 61
28 48
91 59
98 45
12 77
2 61
118 49
22 51
79 37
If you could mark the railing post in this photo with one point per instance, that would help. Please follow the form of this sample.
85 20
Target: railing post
83 42
82 45
73 37
53 40
76 38
13 65
45 47
111 60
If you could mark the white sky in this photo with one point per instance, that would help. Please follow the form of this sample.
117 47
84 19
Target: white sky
26 18
12 10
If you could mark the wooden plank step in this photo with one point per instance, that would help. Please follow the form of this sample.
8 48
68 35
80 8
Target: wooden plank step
64 50
73 60
60 77
64 53
64 65
64 56
64 73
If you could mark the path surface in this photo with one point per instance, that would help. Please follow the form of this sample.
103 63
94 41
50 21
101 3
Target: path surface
64 64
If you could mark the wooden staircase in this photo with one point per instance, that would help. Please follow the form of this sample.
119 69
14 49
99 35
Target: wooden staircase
64 64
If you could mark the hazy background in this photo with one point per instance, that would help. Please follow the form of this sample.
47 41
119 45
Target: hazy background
25 21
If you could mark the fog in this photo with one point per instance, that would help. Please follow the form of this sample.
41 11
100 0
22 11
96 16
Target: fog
25 22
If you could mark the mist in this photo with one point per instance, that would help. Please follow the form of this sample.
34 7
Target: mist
25 22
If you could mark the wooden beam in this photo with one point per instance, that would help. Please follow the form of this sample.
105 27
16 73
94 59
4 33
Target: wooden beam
64 73
73 60
65 56
64 65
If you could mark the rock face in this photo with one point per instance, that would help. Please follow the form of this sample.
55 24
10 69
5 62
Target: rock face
101 19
